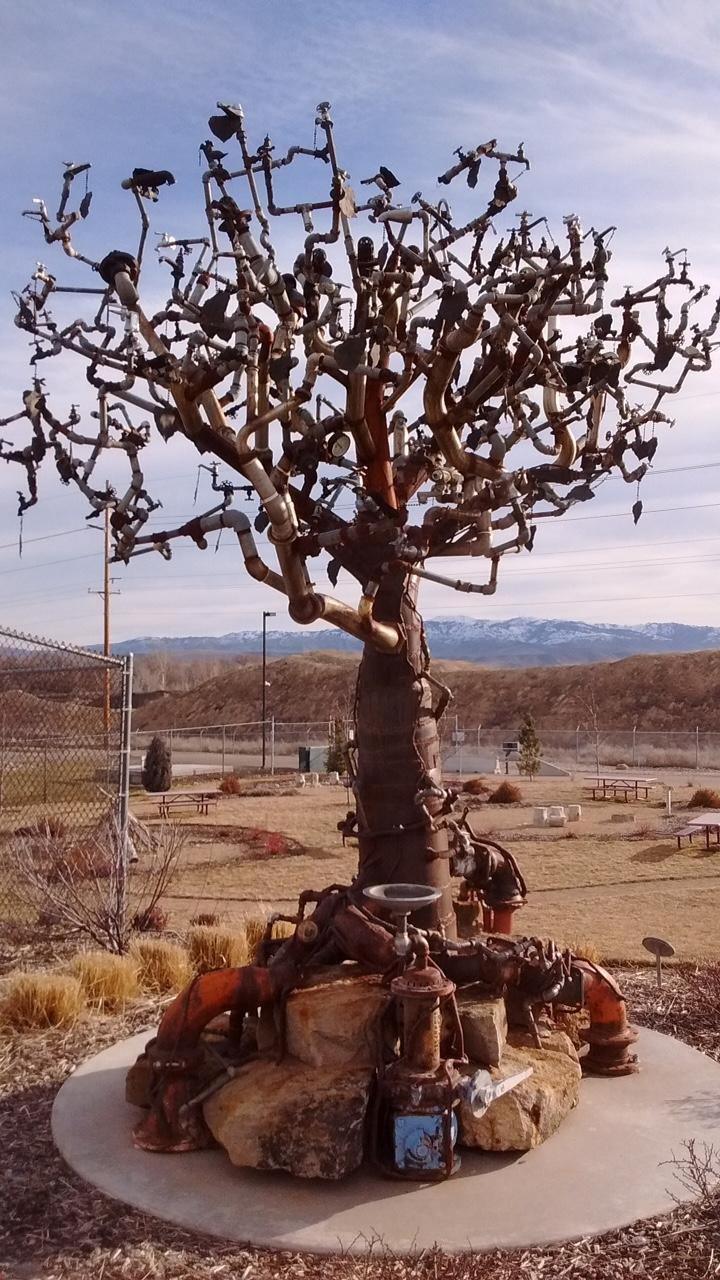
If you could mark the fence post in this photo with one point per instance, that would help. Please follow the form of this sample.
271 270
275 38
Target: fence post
634 735
125 733
222 764
577 744
45 777
697 747
272 745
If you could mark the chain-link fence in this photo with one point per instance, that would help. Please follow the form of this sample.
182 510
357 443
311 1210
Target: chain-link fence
581 749
466 748
64 744
250 744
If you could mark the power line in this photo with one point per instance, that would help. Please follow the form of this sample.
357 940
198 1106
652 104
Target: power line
46 537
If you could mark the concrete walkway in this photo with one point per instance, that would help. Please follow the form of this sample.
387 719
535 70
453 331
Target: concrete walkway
604 1168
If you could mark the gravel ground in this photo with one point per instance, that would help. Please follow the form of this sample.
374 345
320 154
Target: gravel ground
54 1225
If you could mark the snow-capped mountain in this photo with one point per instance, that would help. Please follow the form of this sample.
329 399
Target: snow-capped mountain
512 642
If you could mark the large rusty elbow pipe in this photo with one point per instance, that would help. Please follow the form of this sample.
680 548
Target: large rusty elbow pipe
175 1058
609 1035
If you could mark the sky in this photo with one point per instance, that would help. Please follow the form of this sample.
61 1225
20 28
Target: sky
617 105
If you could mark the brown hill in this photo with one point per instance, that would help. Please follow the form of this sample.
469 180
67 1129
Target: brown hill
665 691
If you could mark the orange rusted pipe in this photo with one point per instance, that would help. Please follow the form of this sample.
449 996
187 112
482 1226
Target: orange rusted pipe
210 994
610 1034
501 916
175 1057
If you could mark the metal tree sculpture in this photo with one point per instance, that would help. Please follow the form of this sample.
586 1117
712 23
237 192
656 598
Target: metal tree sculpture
421 303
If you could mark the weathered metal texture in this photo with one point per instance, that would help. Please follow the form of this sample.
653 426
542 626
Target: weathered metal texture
398 758
609 1035
175 1057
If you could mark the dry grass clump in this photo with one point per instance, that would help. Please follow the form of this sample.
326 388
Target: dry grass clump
108 981
161 966
211 947
506 793
205 917
582 949
476 787
255 927
230 785
35 1001
704 798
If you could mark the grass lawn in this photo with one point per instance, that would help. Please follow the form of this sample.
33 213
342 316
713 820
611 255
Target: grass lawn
595 882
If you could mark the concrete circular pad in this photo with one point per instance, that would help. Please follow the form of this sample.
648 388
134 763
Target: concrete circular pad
604 1168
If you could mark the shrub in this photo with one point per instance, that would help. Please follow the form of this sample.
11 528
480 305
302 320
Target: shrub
161 966
34 1001
86 886
476 787
506 793
214 948
153 920
108 981
53 827
230 785
157 766
335 758
704 798
529 748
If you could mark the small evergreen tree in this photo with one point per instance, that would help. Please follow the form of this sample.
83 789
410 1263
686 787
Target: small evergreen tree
157 768
337 745
529 748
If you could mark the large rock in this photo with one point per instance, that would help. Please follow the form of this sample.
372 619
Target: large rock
529 1113
337 1023
484 1024
308 1121
553 1041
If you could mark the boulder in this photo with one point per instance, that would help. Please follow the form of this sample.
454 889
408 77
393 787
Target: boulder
532 1111
553 1041
484 1024
337 1022
307 1121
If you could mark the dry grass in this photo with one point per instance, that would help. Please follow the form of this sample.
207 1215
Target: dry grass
161 966
254 932
506 793
584 949
609 886
108 981
211 947
36 1001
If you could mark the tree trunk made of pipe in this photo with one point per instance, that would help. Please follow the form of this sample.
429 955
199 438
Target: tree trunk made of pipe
398 758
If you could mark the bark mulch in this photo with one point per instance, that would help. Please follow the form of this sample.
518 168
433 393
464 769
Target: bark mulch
54 1225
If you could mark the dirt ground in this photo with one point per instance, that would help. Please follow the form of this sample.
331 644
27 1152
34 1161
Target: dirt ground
598 882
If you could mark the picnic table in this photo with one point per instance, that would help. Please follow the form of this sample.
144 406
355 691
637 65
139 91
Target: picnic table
201 800
707 822
612 785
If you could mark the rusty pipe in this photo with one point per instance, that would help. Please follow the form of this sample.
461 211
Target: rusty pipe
175 1057
609 1035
